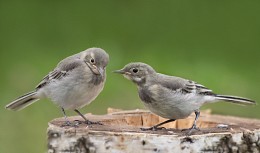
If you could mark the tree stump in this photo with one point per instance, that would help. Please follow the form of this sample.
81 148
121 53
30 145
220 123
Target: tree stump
120 133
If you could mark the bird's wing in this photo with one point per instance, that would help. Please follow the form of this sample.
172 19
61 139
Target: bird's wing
62 69
194 87
183 85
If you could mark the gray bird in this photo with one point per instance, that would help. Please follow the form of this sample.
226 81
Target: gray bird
75 82
172 97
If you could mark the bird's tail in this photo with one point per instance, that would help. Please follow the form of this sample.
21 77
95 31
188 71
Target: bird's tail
234 99
23 101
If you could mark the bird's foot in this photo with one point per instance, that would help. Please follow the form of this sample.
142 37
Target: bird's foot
153 128
192 129
68 123
88 122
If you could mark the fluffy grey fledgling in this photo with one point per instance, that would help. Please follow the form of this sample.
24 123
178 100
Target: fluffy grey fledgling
172 97
75 82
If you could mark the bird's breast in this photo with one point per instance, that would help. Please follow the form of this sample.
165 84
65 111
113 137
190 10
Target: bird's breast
96 79
75 90
145 95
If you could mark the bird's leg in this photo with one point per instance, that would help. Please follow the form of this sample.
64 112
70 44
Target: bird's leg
194 126
197 113
86 120
67 122
156 127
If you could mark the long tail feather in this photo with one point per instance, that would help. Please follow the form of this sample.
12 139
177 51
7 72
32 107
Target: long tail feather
235 99
22 102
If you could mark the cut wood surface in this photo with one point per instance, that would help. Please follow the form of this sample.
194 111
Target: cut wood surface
121 133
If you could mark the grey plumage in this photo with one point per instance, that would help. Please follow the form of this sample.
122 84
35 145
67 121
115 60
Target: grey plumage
23 101
235 99
172 97
75 82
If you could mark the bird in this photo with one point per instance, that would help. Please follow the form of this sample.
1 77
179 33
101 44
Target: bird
172 97
75 82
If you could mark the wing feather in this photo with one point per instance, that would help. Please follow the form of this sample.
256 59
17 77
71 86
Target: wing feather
61 71
183 85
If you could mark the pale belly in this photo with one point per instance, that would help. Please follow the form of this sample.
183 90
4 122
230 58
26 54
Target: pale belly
169 111
71 94
178 107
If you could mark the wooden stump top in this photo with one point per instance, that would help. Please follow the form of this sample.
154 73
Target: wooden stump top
121 128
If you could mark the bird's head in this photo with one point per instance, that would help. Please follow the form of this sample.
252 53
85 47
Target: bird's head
96 59
136 72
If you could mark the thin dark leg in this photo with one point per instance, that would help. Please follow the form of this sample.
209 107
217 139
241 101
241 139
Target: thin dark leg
156 127
86 120
67 122
197 113
77 111
194 126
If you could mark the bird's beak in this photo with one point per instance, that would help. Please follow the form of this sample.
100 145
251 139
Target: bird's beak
98 70
122 71
119 71
101 71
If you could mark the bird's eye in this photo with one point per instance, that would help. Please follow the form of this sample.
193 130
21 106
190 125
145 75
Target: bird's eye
135 70
92 60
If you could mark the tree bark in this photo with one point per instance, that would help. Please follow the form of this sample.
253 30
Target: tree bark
120 133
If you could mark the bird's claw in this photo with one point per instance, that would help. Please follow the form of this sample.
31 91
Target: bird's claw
88 122
193 128
68 123
153 128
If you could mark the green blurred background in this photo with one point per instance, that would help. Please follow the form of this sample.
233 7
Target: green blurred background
216 43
